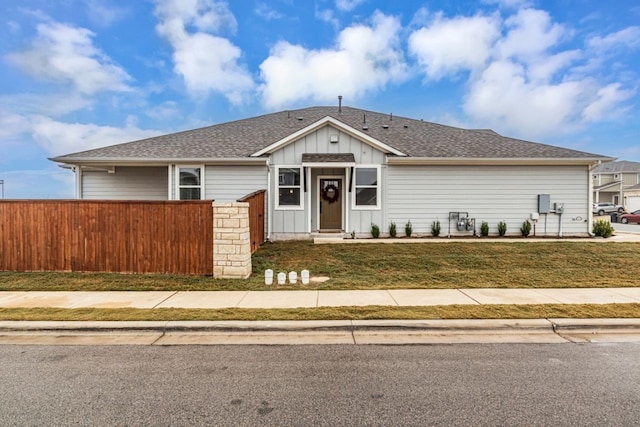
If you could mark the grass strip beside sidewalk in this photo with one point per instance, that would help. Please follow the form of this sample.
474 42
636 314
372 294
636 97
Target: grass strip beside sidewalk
449 265
506 311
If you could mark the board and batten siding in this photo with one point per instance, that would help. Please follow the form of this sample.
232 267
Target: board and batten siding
230 183
127 183
424 194
289 223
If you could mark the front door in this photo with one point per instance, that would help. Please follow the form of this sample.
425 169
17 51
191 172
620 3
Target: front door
331 204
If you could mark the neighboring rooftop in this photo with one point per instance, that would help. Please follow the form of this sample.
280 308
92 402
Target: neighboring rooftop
621 166
241 138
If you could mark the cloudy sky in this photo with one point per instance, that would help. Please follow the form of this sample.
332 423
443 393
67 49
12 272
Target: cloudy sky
79 74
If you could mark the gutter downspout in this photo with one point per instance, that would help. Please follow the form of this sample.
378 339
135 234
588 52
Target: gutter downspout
590 198
269 193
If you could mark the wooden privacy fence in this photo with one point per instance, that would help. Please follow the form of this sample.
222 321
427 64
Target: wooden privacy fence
123 236
256 217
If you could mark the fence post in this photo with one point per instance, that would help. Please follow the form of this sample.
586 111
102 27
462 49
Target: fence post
231 240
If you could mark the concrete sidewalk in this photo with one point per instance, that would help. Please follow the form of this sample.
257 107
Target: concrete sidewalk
316 298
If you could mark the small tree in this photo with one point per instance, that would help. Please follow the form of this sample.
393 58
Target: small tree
393 232
408 228
502 228
375 230
435 228
526 228
484 229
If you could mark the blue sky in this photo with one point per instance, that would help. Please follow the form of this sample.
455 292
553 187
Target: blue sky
79 74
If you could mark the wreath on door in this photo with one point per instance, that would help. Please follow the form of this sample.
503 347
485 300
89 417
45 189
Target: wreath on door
330 193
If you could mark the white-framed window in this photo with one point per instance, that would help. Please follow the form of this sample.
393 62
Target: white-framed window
189 182
289 187
367 187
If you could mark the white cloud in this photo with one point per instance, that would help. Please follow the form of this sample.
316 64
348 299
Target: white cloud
606 103
448 46
205 62
66 54
531 34
348 5
264 11
503 98
38 183
57 137
365 59
628 37
104 15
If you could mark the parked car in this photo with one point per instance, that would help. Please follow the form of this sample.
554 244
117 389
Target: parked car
606 207
631 217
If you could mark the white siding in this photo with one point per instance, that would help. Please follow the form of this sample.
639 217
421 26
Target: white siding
229 183
127 183
290 224
423 194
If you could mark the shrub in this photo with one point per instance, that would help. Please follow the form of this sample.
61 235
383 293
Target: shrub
408 228
435 228
603 228
375 230
393 232
526 228
502 228
484 229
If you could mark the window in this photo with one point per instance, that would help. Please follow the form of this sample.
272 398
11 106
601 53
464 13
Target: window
289 187
190 183
366 187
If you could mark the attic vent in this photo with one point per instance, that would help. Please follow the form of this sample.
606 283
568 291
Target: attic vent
385 126
365 127
300 118
406 126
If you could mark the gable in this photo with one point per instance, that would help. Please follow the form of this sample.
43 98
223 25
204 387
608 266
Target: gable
324 142
339 127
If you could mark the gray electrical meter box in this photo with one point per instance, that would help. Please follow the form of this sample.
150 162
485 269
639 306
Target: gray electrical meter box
544 203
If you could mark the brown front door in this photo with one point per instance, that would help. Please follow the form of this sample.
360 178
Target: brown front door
331 204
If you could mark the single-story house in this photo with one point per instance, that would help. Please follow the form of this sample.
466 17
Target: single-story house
340 170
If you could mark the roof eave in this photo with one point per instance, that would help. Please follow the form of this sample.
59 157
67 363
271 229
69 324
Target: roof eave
587 161
142 161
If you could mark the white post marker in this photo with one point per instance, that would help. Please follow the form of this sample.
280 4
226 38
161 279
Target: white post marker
293 277
304 275
282 278
268 277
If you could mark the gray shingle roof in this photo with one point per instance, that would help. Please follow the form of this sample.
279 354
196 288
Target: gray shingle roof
241 138
618 167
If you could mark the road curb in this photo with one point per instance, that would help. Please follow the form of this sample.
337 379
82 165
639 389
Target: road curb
458 325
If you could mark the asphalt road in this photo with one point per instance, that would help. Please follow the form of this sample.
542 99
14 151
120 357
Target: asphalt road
487 384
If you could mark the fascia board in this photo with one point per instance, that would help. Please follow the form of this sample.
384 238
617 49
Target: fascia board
492 161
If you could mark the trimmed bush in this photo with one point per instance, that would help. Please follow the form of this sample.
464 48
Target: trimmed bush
393 232
375 230
408 229
484 229
502 228
526 228
435 228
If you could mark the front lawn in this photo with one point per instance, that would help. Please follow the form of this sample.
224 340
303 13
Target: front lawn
389 266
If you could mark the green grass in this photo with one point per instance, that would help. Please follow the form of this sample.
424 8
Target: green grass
529 311
389 266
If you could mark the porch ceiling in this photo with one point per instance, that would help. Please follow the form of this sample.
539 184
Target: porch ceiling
328 158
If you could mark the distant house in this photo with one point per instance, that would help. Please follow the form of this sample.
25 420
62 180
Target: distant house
340 170
618 182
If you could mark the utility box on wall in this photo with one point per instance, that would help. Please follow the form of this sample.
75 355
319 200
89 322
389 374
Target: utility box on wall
544 203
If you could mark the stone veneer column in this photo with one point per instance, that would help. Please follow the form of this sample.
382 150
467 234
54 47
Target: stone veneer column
231 240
